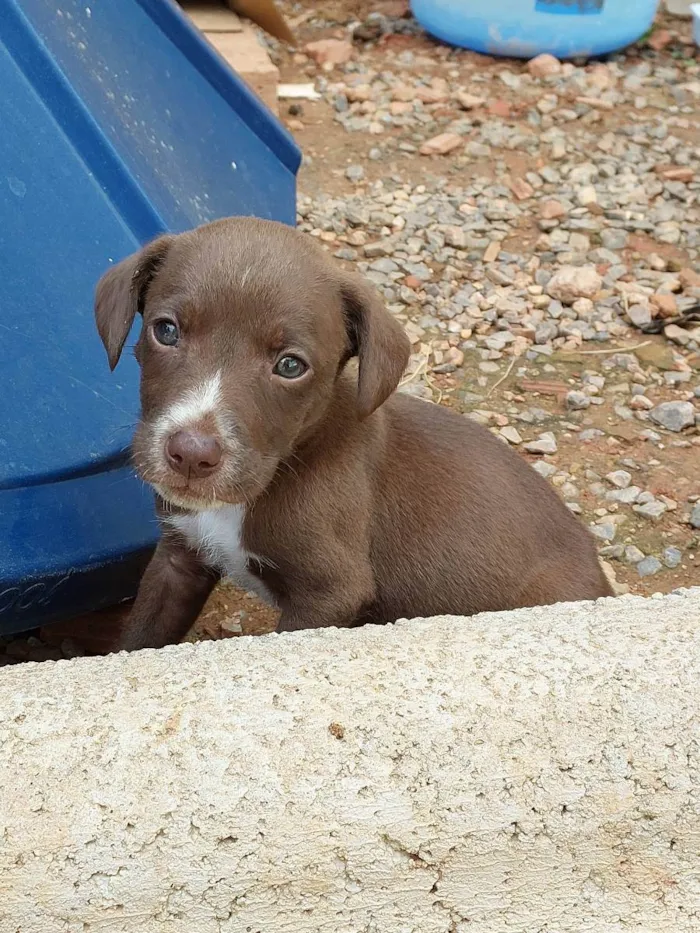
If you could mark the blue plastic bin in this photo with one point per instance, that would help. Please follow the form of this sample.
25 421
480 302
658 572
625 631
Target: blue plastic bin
525 28
118 123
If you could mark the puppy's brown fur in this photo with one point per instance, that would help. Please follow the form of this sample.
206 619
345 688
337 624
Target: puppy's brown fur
346 503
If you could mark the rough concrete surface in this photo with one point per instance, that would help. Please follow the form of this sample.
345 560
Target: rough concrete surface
528 771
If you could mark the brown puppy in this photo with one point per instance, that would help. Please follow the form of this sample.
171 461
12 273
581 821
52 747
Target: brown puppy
281 466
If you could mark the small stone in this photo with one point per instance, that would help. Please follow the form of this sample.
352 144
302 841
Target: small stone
572 282
624 496
694 518
577 401
544 469
689 278
681 173
649 566
455 356
613 238
492 250
546 332
652 510
597 103
672 557
544 65
633 555
665 304
498 341
354 173
677 334
511 435
639 315
586 195
545 444
547 104
605 531
591 434
674 416
329 51
469 101
456 236
619 478
441 144
231 626
384 265
641 403
615 551
499 108
521 189
551 210
558 150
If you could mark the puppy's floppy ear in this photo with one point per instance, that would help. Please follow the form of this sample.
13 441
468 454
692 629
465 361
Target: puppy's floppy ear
121 293
377 339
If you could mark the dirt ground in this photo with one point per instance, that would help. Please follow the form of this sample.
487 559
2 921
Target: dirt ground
669 470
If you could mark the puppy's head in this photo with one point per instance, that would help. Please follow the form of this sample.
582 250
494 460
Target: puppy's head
247 326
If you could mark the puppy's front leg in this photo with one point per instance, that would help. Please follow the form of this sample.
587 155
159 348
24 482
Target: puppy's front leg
172 593
332 602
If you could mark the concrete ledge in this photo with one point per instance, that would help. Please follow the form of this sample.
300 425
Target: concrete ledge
527 771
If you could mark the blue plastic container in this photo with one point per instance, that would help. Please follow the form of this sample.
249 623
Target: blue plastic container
118 122
525 28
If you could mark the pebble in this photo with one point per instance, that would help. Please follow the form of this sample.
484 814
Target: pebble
441 144
544 66
545 444
652 510
640 402
469 101
613 239
605 531
633 555
672 557
572 282
649 566
624 496
577 401
619 478
354 173
639 315
694 519
329 51
674 416
545 469
511 434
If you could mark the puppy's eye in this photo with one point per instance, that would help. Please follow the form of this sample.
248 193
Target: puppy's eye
167 333
290 367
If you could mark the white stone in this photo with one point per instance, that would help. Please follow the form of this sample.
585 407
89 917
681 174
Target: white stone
572 282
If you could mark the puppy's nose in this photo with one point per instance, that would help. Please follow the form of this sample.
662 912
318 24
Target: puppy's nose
192 453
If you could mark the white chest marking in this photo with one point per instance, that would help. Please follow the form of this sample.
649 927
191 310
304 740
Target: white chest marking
216 536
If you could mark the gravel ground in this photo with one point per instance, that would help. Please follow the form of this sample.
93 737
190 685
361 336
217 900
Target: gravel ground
534 226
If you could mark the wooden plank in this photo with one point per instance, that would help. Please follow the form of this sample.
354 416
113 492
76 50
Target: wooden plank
211 17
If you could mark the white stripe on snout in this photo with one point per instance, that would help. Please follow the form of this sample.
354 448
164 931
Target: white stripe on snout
195 404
